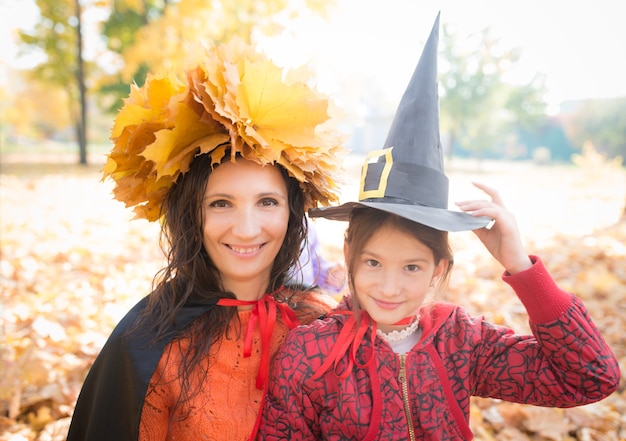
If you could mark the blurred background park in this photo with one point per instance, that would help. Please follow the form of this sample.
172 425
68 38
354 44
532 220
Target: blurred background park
532 99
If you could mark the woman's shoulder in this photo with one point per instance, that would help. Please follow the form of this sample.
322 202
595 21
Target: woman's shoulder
130 320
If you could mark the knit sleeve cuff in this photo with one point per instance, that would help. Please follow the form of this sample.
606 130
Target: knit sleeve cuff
543 299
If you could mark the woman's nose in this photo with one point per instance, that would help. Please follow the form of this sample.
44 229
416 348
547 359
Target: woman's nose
247 223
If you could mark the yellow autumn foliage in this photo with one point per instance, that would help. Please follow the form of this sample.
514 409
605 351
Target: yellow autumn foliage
236 98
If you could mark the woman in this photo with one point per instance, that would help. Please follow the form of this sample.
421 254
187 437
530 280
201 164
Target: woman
392 363
229 176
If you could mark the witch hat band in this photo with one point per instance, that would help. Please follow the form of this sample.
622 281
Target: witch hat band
406 177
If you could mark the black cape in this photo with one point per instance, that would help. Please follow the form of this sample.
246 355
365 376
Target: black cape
111 399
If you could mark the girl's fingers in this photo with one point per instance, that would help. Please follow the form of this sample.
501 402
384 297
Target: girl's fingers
492 192
473 206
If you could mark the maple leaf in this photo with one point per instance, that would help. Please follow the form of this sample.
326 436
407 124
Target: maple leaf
173 149
276 110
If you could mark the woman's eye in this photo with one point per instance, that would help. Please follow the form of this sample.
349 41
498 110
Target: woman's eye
373 263
219 204
268 202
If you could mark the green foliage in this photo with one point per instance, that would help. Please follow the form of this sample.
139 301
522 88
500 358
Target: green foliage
480 110
120 32
115 89
601 122
526 103
54 35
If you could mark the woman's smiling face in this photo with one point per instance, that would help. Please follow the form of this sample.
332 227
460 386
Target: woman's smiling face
245 216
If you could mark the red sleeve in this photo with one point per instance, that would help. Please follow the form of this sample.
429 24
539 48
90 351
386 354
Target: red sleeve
566 361
543 299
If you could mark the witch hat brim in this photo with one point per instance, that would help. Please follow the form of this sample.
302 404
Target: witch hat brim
406 177
437 218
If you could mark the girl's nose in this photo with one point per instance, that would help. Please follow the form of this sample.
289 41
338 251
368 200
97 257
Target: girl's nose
389 284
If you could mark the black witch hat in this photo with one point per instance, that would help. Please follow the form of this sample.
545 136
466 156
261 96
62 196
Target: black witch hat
406 177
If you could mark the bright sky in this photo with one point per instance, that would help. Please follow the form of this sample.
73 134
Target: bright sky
579 45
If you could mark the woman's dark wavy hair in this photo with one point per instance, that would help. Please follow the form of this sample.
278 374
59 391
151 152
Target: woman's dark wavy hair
190 272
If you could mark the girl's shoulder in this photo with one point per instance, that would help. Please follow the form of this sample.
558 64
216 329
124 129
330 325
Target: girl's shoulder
313 341
326 326
446 315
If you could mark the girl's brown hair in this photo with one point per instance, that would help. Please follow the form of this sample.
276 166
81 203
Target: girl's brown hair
366 221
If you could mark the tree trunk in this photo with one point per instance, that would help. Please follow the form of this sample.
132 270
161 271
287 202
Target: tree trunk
80 79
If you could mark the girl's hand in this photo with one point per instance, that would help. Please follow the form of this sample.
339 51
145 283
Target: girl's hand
502 240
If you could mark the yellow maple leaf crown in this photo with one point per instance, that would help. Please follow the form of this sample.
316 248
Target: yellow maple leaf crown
237 100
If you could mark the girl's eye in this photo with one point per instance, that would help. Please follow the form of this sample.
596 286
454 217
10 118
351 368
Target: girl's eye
373 263
269 202
219 204
412 268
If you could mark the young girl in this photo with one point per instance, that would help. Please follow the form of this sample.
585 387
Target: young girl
399 367
390 363
190 361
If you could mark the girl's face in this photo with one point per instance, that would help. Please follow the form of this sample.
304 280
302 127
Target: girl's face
393 275
245 214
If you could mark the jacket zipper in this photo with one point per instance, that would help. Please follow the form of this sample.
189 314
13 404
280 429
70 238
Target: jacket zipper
405 396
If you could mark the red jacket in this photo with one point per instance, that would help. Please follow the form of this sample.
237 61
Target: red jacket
565 363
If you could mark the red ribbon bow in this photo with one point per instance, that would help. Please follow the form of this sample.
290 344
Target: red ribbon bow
350 339
264 316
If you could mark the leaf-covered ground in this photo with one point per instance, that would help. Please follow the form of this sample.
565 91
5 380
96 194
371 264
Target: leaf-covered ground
72 263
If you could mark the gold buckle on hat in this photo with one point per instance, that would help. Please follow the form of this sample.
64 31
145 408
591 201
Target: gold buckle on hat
382 184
